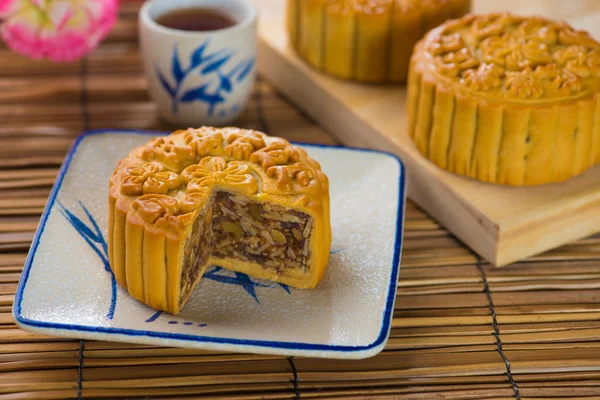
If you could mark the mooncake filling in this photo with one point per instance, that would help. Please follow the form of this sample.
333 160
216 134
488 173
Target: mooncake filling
196 251
264 233
231 226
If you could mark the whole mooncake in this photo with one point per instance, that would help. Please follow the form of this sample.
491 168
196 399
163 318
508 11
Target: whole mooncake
236 198
365 40
507 99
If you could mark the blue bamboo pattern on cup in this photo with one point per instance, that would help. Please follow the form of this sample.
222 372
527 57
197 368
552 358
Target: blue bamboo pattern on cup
220 76
91 233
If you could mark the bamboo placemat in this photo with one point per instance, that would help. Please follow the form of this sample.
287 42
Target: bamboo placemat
461 329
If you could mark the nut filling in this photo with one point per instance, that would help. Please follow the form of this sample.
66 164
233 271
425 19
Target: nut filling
232 226
264 233
196 252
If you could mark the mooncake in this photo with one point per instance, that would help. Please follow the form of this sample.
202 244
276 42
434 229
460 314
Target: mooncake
236 198
365 40
506 99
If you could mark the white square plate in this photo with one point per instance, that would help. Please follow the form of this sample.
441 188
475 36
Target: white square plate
67 288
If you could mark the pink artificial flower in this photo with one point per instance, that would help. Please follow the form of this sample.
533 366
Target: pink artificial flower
60 30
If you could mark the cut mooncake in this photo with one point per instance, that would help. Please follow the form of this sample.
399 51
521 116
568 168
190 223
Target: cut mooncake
237 198
365 40
506 99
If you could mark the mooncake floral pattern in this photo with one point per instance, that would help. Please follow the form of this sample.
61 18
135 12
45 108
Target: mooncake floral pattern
287 175
486 77
242 146
515 57
181 171
523 84
206 143
151 207
453 63
212 170
150 178
173 156
279 152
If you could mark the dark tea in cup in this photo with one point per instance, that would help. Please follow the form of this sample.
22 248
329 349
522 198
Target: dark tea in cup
196 19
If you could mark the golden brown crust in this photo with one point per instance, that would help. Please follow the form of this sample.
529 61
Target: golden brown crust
172 176
506 99
507 58
365 40
157 191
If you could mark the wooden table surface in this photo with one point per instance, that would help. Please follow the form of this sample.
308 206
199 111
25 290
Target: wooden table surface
461 329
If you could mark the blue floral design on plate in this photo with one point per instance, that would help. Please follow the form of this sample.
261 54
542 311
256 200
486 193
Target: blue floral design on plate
95 239
215 67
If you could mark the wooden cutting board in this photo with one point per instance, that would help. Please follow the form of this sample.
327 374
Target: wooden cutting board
502 224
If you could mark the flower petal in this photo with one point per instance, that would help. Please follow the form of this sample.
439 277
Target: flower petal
8 7
60 30
22 39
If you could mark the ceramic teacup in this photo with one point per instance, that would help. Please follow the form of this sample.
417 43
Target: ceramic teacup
199 77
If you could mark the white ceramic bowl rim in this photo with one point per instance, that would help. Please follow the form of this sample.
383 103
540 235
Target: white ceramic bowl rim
244 7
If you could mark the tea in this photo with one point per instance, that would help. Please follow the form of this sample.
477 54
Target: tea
196 19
